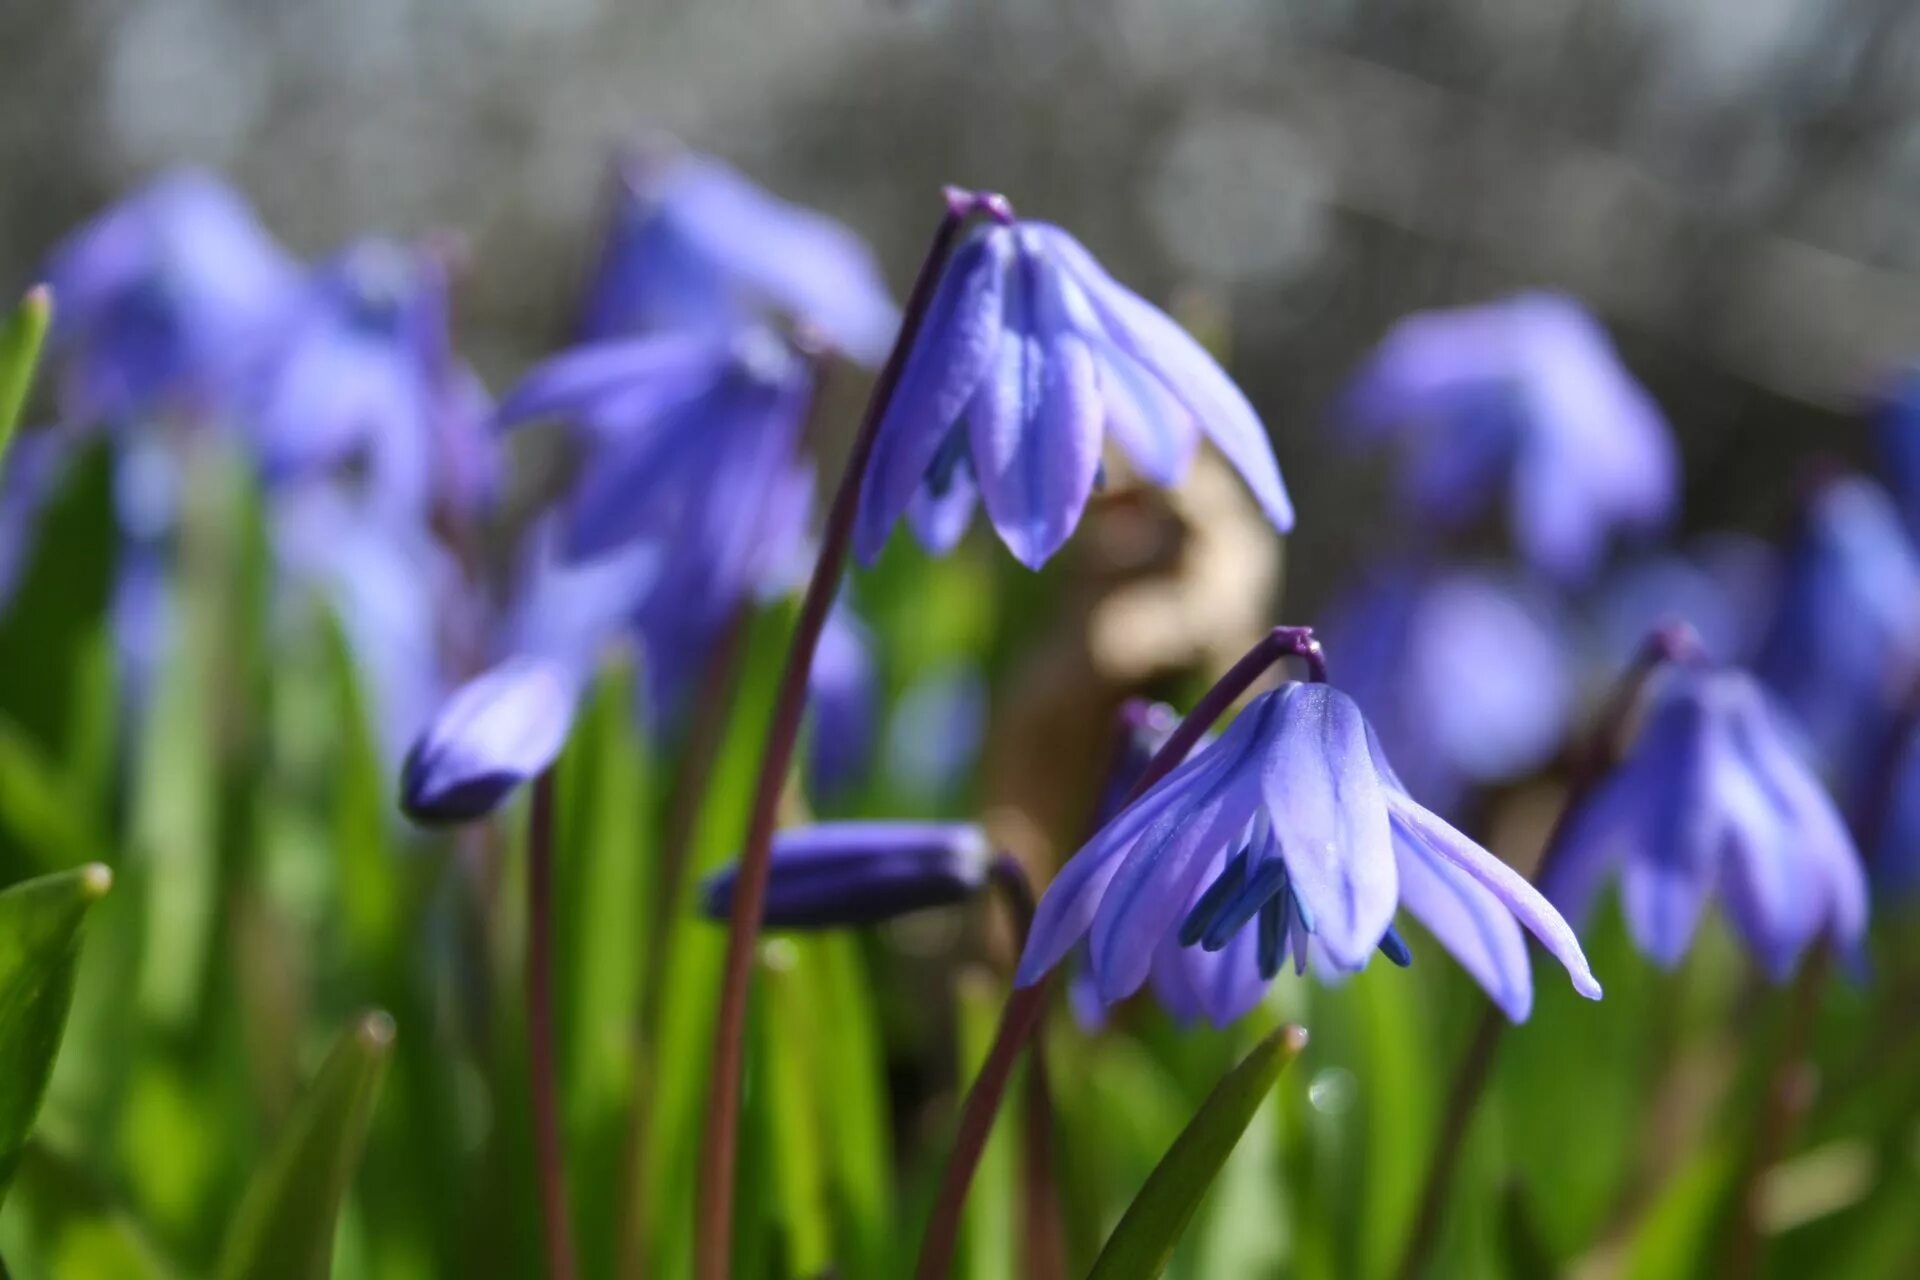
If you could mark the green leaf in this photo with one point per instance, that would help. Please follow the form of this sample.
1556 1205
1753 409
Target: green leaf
285 1225
39 948
1143 1242
986 1244
69 1226
20 341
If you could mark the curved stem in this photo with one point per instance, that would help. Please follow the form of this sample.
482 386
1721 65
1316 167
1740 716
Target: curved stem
549 1155
713 1225
1663 647
1021 1015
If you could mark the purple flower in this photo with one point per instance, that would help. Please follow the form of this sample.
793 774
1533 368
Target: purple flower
691 445
1844 647
1463 673
361 372
1896 439
694 245
496 732
1711 800
160 297
1520 405
1722 588
846 874
1029 357
1290 832
843 695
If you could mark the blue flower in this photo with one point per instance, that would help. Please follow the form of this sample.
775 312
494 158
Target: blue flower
1289 833
1896 440
1029 357
691 446
160 297
1722 588
694 245
845 874
1462 672
496 732
1519 406
1710 799
843 696
1844 646
360 372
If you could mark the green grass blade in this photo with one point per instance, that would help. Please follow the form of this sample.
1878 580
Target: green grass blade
285 1225
1144 1240
20 341
39 949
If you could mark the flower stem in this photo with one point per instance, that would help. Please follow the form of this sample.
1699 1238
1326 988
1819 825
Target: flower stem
1668 645
1043 1240
549 1156
713 1229
1021 1016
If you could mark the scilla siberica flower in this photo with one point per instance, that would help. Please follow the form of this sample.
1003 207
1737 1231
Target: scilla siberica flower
1289 832
1896 440
1030 356
1710 800
160 297
691 445
696 246
1721 586
845 874
1844 646
1520 406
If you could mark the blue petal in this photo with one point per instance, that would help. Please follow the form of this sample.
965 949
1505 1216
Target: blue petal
1328 809
497 731
613 386
940 519
845 874
957 344
1471 923
1035 420
1183 366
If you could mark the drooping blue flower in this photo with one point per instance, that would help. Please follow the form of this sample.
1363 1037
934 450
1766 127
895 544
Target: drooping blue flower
935 731
691 445
498 731
361 374
1710 800
1520 407
1722 587
1289 833
1462 672
1843 649
846 874
694 245
843 704
161 297
1029 358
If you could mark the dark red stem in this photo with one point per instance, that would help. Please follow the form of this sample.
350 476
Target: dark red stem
549 1152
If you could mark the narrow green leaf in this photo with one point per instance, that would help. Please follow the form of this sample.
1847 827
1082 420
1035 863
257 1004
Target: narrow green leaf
1142 1243
69 1226
20 341
986 1244
285 1225
39 948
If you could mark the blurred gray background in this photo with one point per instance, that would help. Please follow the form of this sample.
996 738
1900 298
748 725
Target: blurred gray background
1733 184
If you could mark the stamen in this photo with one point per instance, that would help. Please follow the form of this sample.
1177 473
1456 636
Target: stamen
1273 935
1395 948
947 460
1266 880
1223 888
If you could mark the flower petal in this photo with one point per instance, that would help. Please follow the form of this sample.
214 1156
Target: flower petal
497 731
611 386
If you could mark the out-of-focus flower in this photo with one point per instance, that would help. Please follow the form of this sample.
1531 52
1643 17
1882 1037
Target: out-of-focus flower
161 297
1722 588
497 732
1463 673
843 696
845 874
36 463
1844 646
1294 824
1029 357
691 445
1710 799
936 729
361 373
1895 832
1519 405
1897 442
694 245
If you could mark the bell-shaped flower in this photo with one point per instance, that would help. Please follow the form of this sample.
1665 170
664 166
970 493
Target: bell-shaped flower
1710 800
1288 834
1844 646
846 874
1462 672
1721 587
361 374
1519 407
690 445
695 245
1030 356
496 732
160 297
